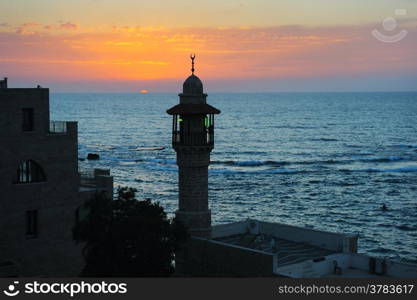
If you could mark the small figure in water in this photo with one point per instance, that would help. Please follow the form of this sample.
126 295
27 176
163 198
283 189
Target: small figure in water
384 207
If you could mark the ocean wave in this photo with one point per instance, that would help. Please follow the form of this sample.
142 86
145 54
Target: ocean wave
116 159
248 163
100 147
407 228
158 167
258 163
379 159
285 171
276 166
293 127
244 152
385 170
269 171
174 168
163 161
127 163
324 140
149 148
405 146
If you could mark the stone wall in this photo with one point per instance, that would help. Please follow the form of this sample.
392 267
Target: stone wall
208 258
52 252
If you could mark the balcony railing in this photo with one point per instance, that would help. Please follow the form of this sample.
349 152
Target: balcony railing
57 127
93 179
87 177
193 138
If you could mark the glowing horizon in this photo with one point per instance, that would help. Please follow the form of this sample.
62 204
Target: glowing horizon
64 50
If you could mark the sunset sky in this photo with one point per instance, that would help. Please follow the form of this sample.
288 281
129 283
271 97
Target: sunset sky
249 46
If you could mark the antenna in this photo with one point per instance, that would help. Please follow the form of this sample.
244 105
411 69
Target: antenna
192 56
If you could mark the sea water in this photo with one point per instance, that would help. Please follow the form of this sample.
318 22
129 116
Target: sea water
327 161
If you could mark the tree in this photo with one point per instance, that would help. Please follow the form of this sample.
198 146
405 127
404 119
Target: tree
127 237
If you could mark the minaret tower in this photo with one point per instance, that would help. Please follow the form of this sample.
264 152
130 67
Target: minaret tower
193 140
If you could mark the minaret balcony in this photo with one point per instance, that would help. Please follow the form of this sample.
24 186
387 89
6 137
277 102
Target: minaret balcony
193 139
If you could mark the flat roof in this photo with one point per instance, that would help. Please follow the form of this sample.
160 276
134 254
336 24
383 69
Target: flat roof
288 252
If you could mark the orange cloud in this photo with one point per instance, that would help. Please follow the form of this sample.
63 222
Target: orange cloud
30 28
68 26
71 52
31 24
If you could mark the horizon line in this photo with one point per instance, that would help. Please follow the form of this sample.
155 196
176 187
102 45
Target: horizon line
245 92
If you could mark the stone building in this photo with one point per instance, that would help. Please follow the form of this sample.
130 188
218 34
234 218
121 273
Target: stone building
41 187
250 248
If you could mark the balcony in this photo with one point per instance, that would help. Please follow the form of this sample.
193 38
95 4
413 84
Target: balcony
193 138
57 127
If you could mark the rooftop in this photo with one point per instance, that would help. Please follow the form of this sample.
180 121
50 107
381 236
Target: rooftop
306 253
288 252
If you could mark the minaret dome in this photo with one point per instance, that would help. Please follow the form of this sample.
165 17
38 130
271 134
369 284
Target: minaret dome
192 86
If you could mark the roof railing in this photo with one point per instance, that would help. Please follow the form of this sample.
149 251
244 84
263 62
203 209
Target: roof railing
57 127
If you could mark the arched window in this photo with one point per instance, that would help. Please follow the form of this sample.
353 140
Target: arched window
29 171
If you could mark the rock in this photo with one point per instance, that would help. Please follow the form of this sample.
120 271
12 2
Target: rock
93 156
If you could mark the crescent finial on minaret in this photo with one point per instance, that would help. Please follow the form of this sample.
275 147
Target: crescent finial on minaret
192 56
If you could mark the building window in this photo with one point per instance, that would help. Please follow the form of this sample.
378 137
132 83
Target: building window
32 223
27 119
29 171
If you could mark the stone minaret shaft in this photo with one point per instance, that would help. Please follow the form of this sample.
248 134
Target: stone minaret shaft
193 140
193 190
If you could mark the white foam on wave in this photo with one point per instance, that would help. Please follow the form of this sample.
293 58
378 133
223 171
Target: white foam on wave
127 163
101 147
149 148
330 161
156 165
267 171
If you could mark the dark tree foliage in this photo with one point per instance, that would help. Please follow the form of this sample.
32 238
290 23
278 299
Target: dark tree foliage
127 237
